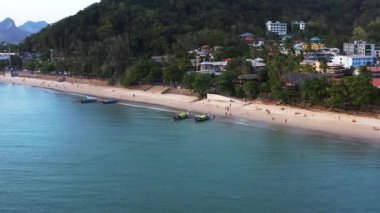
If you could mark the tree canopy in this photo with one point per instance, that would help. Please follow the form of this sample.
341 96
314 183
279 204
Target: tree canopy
107 37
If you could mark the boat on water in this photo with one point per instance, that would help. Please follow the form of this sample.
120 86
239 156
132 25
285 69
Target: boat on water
180 116
88 100
110 101
201 118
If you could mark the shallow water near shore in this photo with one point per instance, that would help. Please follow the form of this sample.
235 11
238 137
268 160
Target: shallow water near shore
57 155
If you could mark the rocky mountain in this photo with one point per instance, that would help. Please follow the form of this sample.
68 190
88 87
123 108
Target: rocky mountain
10 33
33 27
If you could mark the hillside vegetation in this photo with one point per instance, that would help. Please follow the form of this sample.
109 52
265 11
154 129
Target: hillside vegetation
107 37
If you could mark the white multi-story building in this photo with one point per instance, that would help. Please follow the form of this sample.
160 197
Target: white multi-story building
215 67
359 48
6 56
354 61
377 50
302 25
277 27
298 24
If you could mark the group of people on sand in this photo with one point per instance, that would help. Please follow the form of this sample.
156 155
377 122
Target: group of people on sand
228 112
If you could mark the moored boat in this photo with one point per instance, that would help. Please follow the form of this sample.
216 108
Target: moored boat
88 100
180 116
201 118
110 101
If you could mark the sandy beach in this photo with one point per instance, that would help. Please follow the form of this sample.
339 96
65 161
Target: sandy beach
344 125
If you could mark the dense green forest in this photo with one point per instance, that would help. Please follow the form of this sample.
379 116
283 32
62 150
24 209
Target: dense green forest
107 37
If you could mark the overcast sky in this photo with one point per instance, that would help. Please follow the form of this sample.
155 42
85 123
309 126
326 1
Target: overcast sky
38 10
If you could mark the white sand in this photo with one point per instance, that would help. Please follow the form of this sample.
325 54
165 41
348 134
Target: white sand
325 122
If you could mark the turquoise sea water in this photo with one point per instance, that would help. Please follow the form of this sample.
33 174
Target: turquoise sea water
57 155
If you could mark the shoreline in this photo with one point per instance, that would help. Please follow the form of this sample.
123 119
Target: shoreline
339 124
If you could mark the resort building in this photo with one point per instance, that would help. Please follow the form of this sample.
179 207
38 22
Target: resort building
359 48
277 27
354 61
319 55
377 50
314 44
334 51
375 75
6 56
216 67
331 68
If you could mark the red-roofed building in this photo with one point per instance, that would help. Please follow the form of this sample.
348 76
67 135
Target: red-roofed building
248 38
375 75
374 71
376 82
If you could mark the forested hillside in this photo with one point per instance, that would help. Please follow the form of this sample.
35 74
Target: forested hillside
105 38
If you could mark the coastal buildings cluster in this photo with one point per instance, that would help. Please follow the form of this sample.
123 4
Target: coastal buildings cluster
332 62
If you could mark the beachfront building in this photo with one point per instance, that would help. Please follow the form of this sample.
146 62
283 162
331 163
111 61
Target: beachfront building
215 67
375 75
335 70
374 72
359 48
6 56
376 82
354 61
277 27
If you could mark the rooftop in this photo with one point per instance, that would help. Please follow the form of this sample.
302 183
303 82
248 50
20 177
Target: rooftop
246 34
214 63
355 56
376 82
373 69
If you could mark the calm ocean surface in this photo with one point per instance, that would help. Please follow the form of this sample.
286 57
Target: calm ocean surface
57 155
